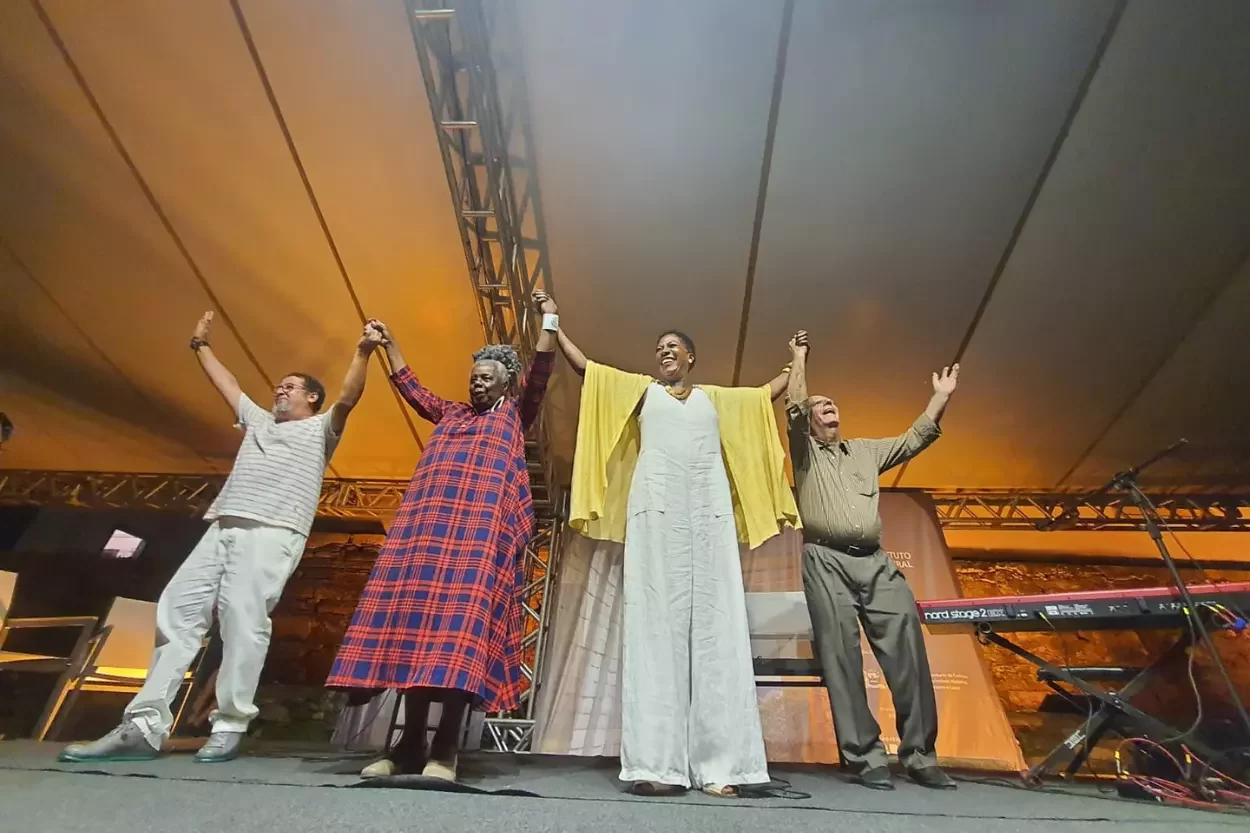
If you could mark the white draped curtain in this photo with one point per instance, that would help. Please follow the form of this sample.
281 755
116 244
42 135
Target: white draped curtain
578 707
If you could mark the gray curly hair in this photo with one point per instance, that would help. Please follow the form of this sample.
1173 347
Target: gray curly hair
505 355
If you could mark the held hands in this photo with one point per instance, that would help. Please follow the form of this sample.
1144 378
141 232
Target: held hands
798 345
383 332
546 305
945 382
370 338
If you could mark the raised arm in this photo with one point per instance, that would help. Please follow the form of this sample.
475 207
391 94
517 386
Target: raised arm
924 431
544 362
798 418
779 385
354 382
222 379
575 357
796 382
430 406
943 386
394 357
572 353
547 338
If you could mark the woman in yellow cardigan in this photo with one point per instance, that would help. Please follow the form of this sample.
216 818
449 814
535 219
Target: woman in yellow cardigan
680 473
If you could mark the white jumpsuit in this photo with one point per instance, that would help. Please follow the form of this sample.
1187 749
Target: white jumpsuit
689 716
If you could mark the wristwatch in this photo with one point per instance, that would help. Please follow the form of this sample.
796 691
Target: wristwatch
197 343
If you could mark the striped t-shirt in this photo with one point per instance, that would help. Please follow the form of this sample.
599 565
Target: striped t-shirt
276 479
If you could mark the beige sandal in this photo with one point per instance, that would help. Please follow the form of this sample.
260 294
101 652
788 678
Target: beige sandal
721 790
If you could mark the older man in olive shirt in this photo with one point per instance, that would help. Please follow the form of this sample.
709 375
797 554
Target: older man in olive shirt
850 580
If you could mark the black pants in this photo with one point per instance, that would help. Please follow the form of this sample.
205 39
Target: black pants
844 591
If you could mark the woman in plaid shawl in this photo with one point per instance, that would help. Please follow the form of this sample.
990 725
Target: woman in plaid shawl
440 618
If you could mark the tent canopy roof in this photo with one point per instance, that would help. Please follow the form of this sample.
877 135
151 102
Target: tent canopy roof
155 178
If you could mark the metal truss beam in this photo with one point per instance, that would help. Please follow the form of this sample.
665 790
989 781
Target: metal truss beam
469 52
191 494
1006 509
1002 509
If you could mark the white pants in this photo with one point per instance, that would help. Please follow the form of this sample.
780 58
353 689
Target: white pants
239 567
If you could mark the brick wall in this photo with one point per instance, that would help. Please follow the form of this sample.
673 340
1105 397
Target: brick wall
316 607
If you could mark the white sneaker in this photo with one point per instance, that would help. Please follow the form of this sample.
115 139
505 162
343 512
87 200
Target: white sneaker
220 747
125 743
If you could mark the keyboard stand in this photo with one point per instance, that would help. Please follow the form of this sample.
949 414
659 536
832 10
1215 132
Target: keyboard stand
1116 711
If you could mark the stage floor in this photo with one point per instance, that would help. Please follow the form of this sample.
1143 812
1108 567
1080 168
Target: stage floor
287 788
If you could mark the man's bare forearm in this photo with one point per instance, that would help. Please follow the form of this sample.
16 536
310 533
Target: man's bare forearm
937 406
354 382
225 382
351 391
796 387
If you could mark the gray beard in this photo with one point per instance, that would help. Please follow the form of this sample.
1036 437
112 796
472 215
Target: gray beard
280 408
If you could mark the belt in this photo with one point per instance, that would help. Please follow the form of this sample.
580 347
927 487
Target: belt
856 550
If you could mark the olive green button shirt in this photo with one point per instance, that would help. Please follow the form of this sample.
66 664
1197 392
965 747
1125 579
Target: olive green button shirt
836 484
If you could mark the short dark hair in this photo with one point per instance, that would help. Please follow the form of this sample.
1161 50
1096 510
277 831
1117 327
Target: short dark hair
682 337
313 385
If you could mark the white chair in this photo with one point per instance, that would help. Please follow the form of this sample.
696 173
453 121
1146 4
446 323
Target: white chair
119 656
68 667
777 623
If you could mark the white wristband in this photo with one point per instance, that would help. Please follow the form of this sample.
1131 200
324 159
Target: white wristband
551 322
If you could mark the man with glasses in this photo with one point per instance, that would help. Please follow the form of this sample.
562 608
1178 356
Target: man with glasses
257 528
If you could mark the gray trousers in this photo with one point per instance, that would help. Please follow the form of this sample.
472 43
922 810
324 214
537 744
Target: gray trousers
844 591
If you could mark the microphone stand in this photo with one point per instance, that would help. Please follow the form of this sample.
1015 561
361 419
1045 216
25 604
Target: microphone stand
1127 481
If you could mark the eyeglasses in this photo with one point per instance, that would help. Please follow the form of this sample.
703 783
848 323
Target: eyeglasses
287 388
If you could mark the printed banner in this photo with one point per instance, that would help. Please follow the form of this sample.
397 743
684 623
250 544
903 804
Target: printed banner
973 730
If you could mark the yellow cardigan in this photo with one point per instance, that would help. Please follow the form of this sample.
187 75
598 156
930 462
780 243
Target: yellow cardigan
608 439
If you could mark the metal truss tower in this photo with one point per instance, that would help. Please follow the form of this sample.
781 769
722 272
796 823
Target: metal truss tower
471 66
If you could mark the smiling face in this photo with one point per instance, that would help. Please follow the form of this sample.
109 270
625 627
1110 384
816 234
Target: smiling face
824 415
487 382
292 399
674 356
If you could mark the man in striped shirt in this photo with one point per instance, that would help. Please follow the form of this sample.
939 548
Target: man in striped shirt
257 528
